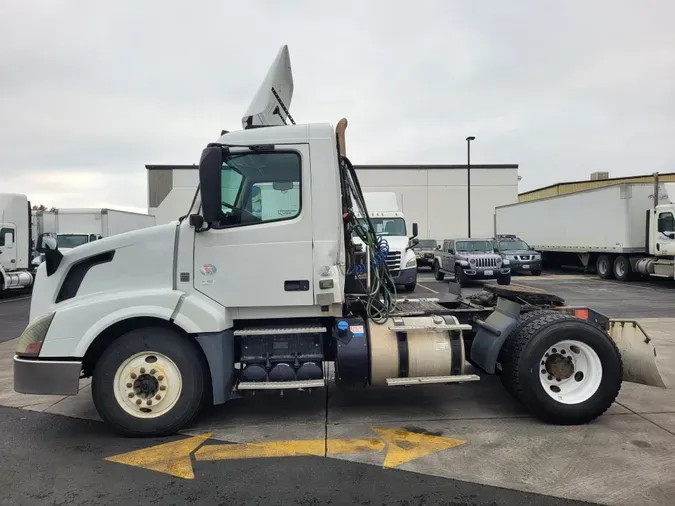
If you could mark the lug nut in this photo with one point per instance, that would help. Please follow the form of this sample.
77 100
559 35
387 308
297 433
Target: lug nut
158 397
160 378
149 402
162 387
129 385
131 394
138 401
543 371
133 375
142 370
550 377
152 371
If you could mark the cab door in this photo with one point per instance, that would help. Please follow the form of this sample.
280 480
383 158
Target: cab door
7 248
665 241
261 257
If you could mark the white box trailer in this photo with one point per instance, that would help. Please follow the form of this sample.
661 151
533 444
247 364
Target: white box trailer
77 226
620 229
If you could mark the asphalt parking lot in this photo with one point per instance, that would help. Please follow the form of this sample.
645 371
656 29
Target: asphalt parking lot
464 444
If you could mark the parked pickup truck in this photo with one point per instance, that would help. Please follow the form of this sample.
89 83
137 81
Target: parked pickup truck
471 259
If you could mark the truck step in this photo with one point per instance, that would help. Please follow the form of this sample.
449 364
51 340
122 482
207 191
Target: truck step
393 382
459 326
280 385
276 331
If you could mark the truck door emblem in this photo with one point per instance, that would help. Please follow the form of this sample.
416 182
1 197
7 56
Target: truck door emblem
208 269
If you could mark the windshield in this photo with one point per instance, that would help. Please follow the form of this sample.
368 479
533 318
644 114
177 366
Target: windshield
387 226
513 245
474 246
427 244
71 240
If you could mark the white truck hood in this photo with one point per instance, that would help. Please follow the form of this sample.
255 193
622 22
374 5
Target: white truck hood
142 258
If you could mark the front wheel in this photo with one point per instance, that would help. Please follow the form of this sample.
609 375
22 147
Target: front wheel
410 287
459 276
437 272
565 370
504 280
149 382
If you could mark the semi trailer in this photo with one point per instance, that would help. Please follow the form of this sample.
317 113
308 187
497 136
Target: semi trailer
622 231
225 301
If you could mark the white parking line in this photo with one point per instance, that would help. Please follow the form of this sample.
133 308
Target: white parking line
7 301
426 288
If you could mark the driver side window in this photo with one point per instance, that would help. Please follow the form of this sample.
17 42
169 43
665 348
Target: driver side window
260 187
666 222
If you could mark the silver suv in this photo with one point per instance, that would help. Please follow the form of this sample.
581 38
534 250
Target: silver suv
471 259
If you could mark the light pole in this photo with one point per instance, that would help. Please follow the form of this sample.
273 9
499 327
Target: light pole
468 181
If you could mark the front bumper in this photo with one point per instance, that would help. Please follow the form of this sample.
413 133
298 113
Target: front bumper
525 265
46 377
425 261
485 273
406 276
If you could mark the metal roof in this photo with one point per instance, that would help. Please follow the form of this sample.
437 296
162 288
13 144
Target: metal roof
587 184
372 167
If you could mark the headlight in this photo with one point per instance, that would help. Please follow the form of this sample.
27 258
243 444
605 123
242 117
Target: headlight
412 262
31 339
472 261
510 257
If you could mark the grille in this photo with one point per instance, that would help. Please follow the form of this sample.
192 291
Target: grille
524 257
394 262
486 262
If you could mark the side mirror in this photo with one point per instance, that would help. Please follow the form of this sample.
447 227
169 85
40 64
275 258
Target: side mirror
45 243
438 247
210 166
414 230
9 240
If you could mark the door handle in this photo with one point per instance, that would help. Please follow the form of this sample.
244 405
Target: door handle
296 285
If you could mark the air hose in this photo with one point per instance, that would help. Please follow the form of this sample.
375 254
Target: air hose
381 298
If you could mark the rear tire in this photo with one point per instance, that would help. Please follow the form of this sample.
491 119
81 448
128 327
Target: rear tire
622 269
437 272
605 267
163 370
546 344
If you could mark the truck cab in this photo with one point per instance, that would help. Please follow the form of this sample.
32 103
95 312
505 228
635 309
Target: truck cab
15 242
390 225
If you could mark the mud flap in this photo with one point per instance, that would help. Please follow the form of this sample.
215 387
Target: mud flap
637 353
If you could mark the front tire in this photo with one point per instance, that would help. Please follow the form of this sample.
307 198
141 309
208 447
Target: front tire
565 370
504 280
459 276
150 382
437 272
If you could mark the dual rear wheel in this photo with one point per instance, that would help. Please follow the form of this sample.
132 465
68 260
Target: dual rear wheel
564 370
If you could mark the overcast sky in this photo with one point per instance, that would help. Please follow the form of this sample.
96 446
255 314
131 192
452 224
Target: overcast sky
90 92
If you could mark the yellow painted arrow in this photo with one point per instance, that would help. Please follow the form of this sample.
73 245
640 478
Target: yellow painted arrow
175 458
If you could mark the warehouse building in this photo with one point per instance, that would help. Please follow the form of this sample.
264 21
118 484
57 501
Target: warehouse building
433 196
597 180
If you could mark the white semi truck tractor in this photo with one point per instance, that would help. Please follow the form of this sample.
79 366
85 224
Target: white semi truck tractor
228 300
16 241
